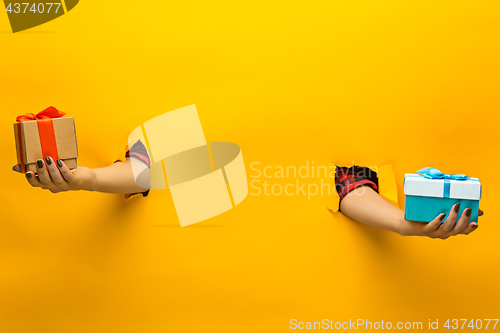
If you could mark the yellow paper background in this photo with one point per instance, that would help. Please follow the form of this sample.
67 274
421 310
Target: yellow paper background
413 84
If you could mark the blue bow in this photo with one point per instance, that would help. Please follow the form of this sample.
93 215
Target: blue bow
433 173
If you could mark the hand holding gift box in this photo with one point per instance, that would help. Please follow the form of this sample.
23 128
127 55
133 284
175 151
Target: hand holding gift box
431 193
449 204
47 154
45 134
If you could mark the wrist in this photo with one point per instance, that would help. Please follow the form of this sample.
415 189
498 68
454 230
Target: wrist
88 180
409 228
92 181
404 228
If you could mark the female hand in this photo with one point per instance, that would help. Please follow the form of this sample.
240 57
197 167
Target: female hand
56 177
437 229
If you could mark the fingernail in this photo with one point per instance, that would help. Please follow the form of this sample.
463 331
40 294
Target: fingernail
468 211
474 226
48 160
39 163
457 208
28 175
442 217
59 163
14 168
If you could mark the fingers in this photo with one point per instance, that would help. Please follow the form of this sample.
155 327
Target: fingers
470 228
449 224
32 179
44 177
432 226
463 222
481 213
52 175
65 171
43 174
55 174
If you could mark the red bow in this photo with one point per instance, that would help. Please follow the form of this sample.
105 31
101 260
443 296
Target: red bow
48 113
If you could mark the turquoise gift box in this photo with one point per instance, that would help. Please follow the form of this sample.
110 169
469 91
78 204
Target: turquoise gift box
431 193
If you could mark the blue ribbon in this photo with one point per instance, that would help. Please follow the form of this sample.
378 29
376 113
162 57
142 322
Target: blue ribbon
446 189
433 173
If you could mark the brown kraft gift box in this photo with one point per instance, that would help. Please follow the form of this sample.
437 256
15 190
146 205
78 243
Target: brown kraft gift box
31 145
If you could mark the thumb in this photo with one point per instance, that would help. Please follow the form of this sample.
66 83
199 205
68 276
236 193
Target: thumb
16 168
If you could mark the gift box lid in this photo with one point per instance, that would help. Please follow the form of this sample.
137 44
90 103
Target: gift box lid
418 185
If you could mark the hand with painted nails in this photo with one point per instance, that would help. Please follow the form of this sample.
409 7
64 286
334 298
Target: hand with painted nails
56 177
443 226
368 207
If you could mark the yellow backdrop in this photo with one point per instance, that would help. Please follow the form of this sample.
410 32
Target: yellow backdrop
413 84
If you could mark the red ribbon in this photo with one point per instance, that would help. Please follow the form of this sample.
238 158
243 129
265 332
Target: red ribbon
45 130
48 113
